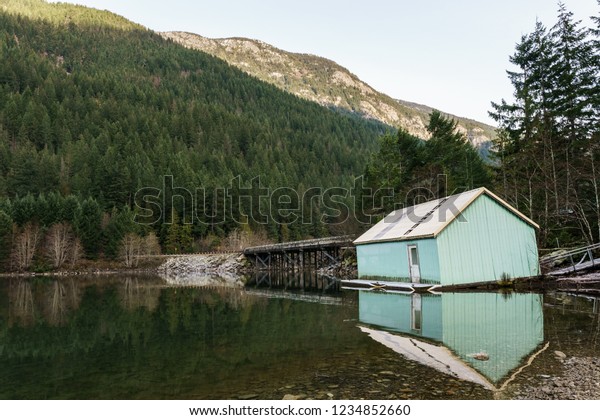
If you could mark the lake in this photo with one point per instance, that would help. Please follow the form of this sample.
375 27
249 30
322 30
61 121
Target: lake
144 337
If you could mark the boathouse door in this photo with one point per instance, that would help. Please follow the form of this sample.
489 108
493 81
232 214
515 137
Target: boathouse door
413 264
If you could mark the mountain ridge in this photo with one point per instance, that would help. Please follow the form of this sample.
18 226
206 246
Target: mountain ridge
66 13
323 81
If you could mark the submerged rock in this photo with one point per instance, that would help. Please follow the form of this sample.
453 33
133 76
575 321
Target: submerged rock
293 397
560 354
483 356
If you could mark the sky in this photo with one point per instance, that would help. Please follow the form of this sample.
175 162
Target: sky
448 54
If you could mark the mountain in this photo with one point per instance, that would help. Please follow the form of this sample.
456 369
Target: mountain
94 106
325 82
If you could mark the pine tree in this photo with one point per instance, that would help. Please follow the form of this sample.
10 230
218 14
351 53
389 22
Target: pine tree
172 239
545 146
393 167
5 239
88 227
120 224
454 157
24 210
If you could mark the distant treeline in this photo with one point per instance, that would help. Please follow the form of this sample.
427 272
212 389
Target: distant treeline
50 231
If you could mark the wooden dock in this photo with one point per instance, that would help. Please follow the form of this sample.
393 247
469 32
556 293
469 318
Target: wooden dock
389 286
298 255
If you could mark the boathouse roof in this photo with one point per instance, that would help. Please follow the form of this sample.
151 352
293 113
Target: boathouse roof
427 220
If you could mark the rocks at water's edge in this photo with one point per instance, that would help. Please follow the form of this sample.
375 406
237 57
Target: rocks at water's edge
347 269
204 269
580 380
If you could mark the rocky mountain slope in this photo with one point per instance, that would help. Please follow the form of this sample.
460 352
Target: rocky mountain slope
323 81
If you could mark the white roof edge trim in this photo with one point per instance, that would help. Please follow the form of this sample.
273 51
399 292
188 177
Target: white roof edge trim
476 194
512 209
381 241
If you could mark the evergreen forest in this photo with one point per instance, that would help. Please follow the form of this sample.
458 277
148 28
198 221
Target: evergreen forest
115 142
93 111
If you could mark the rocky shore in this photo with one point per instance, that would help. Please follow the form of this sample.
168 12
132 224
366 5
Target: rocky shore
205 269
375 377
579 380
347 269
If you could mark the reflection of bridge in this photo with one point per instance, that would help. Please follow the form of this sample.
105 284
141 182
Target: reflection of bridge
292 256
284 294
301 280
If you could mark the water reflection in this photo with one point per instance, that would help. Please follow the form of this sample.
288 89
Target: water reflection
307 281
203 280
147 337
53 300
480 337
21 302
135 337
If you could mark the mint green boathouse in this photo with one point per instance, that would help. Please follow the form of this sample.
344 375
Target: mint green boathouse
469 237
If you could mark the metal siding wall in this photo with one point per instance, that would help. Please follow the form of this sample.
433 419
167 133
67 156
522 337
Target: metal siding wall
432 317
507 328
390 260
489 243
392 311
387 311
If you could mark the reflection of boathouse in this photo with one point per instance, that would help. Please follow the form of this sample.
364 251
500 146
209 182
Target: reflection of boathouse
470 237
483 336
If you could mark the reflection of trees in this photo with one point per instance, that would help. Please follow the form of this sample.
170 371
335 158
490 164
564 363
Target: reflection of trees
161 335
566 312
193 317
63 297
74 293
130 293
58 303
136 295
21 308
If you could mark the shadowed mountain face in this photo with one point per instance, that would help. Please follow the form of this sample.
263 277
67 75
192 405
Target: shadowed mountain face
323 81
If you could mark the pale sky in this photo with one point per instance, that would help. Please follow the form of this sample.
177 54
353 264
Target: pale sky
448 54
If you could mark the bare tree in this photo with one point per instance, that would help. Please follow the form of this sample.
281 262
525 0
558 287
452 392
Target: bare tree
151 245
242 238
59 242
131 249
25 245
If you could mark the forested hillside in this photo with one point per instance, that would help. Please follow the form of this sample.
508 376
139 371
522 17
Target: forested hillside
100 111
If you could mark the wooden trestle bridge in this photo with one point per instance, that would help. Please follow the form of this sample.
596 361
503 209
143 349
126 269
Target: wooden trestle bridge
300 255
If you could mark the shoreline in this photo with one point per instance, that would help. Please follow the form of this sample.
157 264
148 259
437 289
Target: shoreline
235 264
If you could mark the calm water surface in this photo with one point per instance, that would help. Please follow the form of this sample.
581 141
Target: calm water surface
206 338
